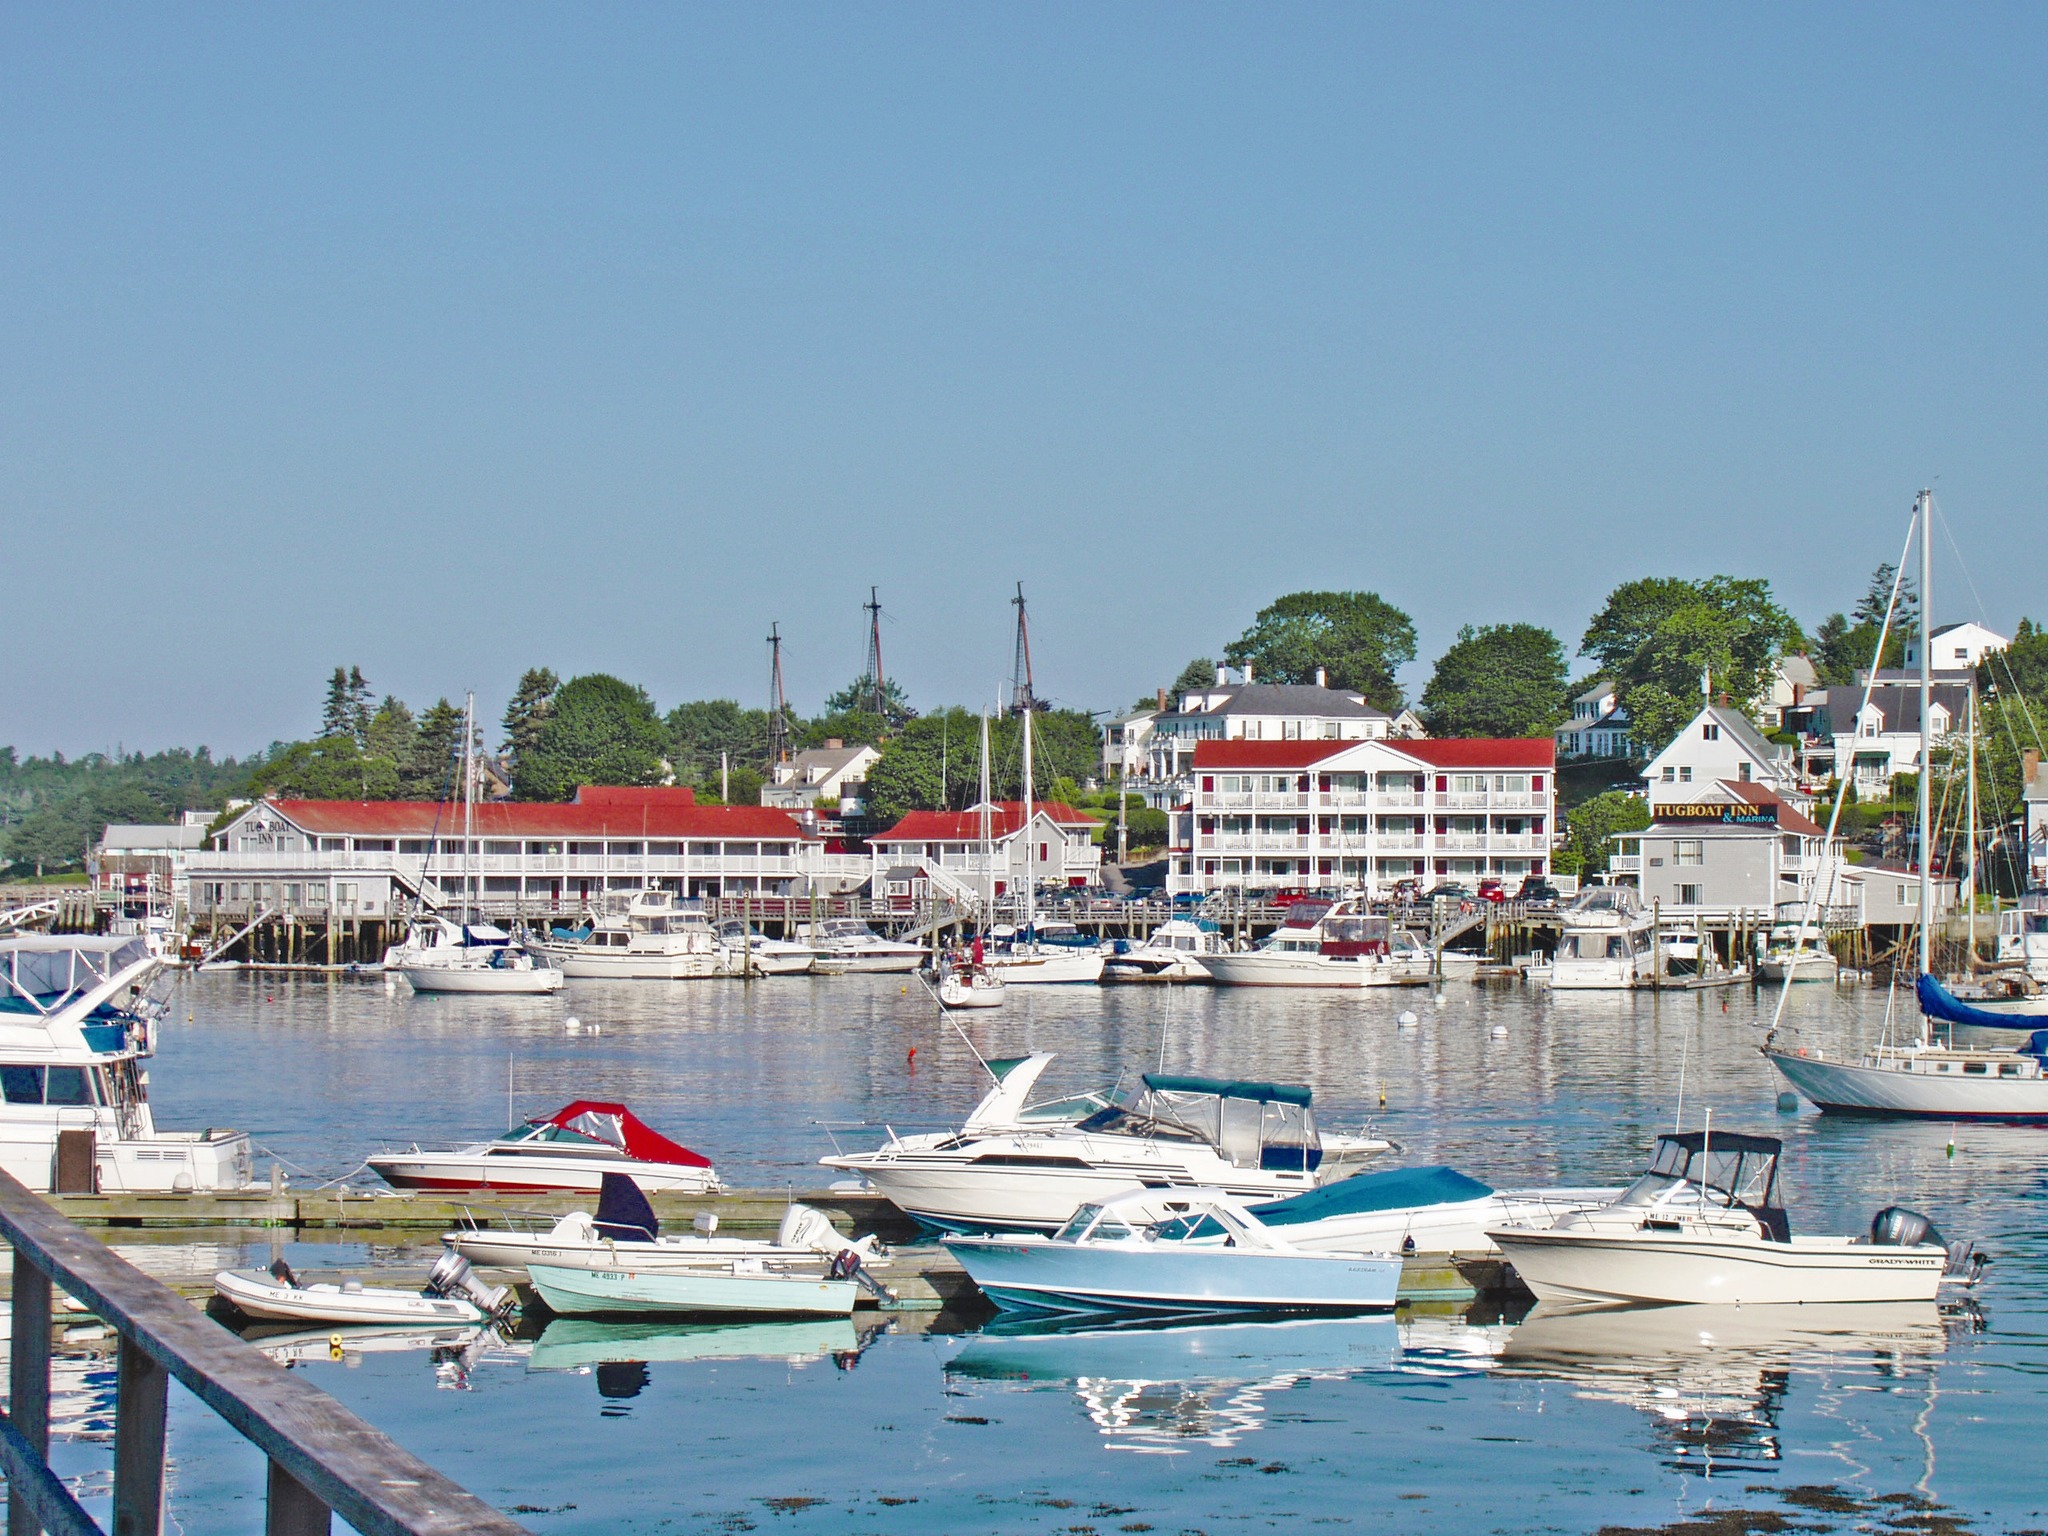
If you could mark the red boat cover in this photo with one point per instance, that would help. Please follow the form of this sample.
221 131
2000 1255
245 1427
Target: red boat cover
618 1125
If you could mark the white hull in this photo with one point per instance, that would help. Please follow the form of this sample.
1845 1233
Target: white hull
666 1255
1046 967
534 1173
1154 965
495 981
759 960
1810 967
1860 1087
1254 969
627 966
260 1295
1598 975
844 962
1462 1227
596 1292
159 1162
1723 1268
954 992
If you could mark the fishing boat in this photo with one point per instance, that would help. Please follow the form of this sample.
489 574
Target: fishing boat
1114 1256
657 938
1322 944
625 1233
453 1296
737 1285
569 1151
1704 1224
1417 1210
1173 951
846 944
1924 1077
77 1023
1605 944
745 951
1254 1141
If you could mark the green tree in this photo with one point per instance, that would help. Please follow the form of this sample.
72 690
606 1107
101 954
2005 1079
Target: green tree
1499 680
59 832
1632 614
332 768
391 731
2021 669
336 714
1664 638
857 697
431 768
700 731
601 731
1357 638
854 727
531 704
1593 825
1199 673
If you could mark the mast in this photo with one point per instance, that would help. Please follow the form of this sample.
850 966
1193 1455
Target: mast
1970 846
873 608
1030 865
1023 697
1024 704
468 804
1926 734
778 704
988 857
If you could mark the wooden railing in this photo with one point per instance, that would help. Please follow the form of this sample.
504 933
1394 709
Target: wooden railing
323 1459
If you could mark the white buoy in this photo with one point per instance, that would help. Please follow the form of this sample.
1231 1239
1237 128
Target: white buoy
1500 1031
571 1024
1408 1019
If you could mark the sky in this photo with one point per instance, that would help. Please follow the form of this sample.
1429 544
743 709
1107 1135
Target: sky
451 340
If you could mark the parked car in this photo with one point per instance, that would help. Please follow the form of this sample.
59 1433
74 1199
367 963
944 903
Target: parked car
1449 890
1491 889
1538 891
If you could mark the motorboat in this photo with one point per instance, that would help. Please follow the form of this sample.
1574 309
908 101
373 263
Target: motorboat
625 1233
77 1023
1703 1224
1172 952
488 965
1254 1141
453 1296
846 944
746 951
657 938
1322 944
1416 1210
1605 944
738 1285
431 937
1113 1256
2022 937
1797 951
569 1151
1043 954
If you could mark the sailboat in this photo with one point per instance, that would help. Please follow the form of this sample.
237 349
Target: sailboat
968 982
1924 1078
478 965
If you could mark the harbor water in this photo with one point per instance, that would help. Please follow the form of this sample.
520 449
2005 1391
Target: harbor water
1893 1419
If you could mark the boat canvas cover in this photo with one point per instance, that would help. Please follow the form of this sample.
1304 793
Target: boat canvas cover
1393 1189
1254 1125
1937 1002
621 1128
42 971
623 1213
1229 1088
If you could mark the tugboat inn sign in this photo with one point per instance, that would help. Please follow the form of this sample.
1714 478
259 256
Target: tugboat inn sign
1738 814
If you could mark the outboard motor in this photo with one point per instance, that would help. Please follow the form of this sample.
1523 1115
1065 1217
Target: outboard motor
281 1272
804 1227
1897 1227
451 1275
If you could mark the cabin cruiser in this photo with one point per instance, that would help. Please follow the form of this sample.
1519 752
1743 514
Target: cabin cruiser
1254 1141
76 1026
1322 944
843 944
746 951
1173 952
1797 952
657 938
569 1151
1605 944
1417 1210
476 957
1703 1224
1925 1077
1043 954
1207 1254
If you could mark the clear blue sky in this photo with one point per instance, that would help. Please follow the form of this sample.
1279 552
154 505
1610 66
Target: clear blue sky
447 340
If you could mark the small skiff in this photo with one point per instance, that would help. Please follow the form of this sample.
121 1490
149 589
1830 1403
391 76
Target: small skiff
453 1296
743 1285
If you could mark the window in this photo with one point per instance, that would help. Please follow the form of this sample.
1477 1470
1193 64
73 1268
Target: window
67 1085
1742 770
1685 773
22 1085
1689 896
1710 732
1670 774
1688 851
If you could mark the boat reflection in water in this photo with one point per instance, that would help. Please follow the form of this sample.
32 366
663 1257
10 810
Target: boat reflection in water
1713 1379
453 1350
1165 1388
618 1354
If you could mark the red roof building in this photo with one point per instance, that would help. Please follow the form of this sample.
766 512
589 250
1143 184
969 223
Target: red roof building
946 846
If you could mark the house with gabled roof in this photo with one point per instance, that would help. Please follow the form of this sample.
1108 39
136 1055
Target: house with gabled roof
1056 846
1733 848
1598 727
1878 738
1722 743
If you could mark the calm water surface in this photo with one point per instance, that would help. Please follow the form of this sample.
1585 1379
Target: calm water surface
1873 1419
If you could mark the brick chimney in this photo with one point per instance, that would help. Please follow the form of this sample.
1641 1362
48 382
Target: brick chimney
834 743
1162 701
2030 766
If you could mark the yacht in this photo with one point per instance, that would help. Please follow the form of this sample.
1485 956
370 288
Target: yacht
1703 1224
76 1026
657 938
1253 1141
569 1151
1605 944
843 944
1324 944
1174 952
475 957
748 952
1039 954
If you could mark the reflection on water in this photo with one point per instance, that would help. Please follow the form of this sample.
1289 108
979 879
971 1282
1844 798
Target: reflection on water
1623 1420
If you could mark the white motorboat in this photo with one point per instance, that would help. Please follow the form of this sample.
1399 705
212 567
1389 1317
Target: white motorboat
442 939
1703 1224
453 1296
1417 1210
497 970
2022 938
1030 958
1254 1141
1605 944
626 1234
738 1285
569 1151
748 952
657 938
1322 944
1797 951
76 1025
846 944
1118 1256
1174 951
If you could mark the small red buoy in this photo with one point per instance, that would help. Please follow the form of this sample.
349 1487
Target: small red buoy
912 1057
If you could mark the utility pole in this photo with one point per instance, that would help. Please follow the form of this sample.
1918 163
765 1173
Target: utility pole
778 704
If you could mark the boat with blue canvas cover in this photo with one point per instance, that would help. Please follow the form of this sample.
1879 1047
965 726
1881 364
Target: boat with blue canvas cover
1208 1254
1416 1210
76 1025
2019 1012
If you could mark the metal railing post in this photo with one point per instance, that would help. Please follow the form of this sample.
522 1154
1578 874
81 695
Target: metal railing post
28 1401
294 1510
139 1409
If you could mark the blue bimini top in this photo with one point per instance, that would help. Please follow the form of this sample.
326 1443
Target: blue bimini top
1394 1189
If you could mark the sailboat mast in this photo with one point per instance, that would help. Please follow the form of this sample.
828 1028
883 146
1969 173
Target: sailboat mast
988 870
1030 866
468 805
1970 846
1926 734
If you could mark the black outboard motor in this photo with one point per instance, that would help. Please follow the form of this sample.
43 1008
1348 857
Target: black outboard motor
1897 1227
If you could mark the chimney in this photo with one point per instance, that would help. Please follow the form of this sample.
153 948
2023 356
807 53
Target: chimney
1322 678
1162 701
834 743
1247 672
2030 766
1222 675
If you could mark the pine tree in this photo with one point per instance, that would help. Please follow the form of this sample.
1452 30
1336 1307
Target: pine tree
533 701
336 716
358 706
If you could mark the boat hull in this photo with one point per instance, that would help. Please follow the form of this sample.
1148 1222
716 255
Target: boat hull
768 962
1654 1267
1858 1088
495 981
1047 967
627 966
605 1292
857 962
668 1255
1808 968
532 1175
259 1295
1456 1227
1140 966
1329 972
1040 1276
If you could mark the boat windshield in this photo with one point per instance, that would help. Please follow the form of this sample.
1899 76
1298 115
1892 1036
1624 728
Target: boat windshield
1182 1229
1077 1225
1603 901
1726 1170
